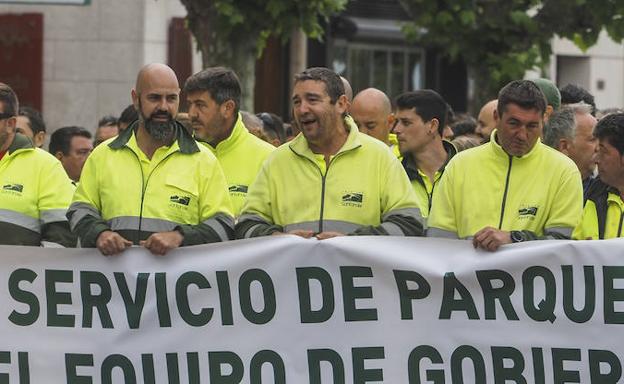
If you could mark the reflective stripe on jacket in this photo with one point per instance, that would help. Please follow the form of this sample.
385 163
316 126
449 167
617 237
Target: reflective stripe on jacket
35 192
362 191
540 192
182 187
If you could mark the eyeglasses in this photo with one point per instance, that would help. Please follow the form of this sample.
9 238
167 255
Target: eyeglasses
6 115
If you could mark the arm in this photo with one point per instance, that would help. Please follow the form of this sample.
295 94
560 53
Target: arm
54 198
400 211
84 215
441 220
256 217
215 209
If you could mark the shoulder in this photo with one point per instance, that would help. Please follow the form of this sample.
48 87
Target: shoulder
256 142
469 157
556 159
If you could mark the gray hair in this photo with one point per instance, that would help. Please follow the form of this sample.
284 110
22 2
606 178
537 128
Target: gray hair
561 125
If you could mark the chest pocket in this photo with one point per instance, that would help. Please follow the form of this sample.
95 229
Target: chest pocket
182 199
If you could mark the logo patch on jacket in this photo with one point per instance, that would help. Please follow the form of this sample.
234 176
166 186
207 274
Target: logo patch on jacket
527 212
14 188
238 189
352 199
182 200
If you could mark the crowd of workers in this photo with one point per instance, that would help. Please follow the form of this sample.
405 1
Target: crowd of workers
538 163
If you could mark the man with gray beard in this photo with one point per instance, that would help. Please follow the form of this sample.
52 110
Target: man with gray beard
152 185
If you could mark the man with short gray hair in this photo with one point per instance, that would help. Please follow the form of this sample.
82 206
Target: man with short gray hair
569 131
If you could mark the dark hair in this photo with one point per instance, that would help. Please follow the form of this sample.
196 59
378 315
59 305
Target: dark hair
523 93
9 99
611 128
273 126
333 83
427 104
107 121
222 84
128 115
463 125
574 93
34 117
60 140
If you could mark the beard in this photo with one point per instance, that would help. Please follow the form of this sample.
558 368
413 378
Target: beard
158 130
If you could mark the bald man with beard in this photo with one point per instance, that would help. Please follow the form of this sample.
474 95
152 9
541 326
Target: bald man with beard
152 185
372 112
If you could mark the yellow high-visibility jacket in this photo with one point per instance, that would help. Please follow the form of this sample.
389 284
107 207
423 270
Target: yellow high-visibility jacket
181 188
603 214
241 155
539 193
420 182
364 190
35 192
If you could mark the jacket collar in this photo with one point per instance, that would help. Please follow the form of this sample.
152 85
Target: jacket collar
300 145
499 151
20 142
411 168
185 141
237 134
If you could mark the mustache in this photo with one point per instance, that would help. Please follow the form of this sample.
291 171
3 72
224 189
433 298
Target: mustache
161 114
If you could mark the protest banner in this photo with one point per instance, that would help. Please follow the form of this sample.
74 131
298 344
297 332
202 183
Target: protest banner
291 310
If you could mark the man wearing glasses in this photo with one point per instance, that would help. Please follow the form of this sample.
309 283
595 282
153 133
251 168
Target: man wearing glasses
34 189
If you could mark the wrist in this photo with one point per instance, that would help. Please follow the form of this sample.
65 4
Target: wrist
517 236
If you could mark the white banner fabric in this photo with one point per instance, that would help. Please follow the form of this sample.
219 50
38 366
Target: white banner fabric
290 310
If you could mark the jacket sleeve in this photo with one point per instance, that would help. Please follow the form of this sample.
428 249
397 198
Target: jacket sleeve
256 216
84 213
401 214
54 199
217 221
441 221
567 207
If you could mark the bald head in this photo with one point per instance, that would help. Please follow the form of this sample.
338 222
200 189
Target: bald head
155 71
486 122
372 112
156 97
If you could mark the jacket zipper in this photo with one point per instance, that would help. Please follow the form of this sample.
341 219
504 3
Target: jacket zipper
502 215
323 179
143 189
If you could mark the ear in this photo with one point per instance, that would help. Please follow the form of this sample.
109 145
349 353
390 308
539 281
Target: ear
58 155
564 146
435 124
390 121
548 112
135 98
39 139
11 123
227 108
342 104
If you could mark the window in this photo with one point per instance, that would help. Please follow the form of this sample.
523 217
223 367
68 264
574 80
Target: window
392 69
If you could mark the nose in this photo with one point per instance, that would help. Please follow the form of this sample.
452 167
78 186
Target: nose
522 134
